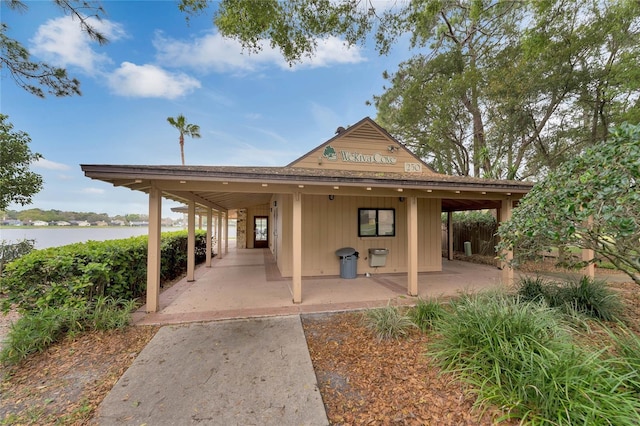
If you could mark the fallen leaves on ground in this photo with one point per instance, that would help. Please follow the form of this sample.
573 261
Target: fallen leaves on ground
366 381
67 382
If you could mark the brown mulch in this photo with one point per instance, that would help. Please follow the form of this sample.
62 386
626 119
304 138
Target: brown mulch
362 380
67 382
365 381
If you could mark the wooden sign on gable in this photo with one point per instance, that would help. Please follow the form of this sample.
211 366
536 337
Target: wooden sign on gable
365 146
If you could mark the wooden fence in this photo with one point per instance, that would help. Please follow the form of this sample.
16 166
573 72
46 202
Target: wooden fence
481 236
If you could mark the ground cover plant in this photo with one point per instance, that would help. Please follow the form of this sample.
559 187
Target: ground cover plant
390 322
35 331
583 295
520 355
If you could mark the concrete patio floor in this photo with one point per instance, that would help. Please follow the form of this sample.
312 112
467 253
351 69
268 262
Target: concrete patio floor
246 283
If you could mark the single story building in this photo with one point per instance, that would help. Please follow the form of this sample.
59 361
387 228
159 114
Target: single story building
361 189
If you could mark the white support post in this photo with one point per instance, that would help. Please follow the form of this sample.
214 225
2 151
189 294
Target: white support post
153 250
226 232
450 235
412 246
220 254
297 247
191 242
507 270
209 238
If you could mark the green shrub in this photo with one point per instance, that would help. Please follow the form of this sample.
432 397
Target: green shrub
389 322
591 297
583 295
533 289
75 274
35 331
425 313
517 355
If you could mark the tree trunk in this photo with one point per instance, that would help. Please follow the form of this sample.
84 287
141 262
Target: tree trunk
182 147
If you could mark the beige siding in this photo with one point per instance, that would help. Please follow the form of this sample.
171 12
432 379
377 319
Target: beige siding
366 141
332 224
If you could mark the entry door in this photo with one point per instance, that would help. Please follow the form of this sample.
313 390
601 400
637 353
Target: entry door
261 231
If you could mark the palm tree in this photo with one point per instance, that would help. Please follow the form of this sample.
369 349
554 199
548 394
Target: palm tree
191 130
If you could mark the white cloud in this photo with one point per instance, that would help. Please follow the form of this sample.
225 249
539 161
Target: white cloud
49 165
214 53
62 42
150 81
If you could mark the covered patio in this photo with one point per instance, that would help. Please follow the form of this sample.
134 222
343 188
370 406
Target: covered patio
361 190
246 283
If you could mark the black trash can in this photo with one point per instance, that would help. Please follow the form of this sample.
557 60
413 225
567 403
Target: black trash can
348 262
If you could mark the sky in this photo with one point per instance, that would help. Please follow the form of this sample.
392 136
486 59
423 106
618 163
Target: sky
252 109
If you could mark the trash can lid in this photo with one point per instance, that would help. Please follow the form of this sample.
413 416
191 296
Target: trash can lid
345 251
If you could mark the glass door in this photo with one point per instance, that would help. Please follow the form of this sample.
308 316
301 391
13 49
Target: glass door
260 232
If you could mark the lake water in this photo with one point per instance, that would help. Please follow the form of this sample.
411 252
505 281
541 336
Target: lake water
59 236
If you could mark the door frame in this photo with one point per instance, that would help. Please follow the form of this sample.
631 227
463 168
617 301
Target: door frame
260 243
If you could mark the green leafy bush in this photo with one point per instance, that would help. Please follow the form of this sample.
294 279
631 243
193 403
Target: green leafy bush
37 330
389 322
74 274
591 201
518 356
425 313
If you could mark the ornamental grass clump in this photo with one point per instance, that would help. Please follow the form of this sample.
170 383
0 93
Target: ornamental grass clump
37 330
389 322
584 295
519 356
591 297
425 313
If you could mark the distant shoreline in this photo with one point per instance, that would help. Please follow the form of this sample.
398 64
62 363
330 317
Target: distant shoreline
80 227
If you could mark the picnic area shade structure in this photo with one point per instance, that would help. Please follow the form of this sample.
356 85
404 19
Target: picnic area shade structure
361 188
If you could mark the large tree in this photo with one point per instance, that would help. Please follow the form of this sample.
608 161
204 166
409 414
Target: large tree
185 129
590 202
37 77
17 183
498 88
515 99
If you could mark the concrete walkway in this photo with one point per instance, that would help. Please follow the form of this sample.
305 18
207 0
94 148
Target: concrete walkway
236 372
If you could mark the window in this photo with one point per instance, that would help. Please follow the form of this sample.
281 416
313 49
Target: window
376 222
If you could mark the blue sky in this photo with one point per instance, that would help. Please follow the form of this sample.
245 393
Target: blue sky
252 109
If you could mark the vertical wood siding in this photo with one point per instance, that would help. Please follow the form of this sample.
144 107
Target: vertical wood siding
328 225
